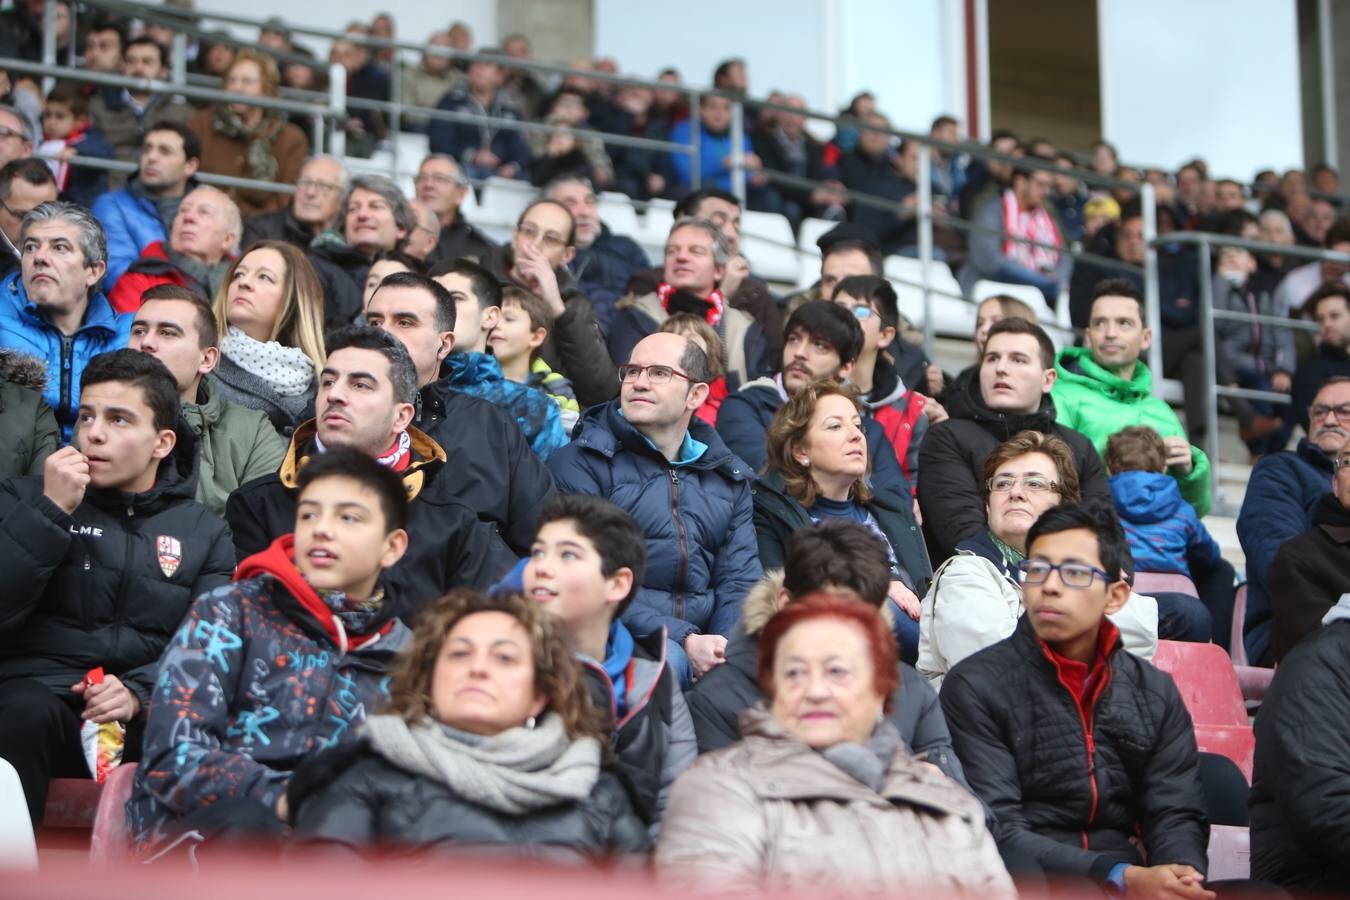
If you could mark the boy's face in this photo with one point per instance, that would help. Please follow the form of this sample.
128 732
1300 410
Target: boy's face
115 430
564 576
58 121
472 324
513 335
1068 618
876 335
342 542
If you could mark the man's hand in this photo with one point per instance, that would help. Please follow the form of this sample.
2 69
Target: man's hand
109 701
1167 882
705 651
486 158
1178 454
508 171
936 380
656 184
283 809
904 598
935 411
738 269
560 144
1281 383
65 476
540 277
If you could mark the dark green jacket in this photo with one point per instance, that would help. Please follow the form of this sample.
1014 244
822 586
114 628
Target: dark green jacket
28 430
237 444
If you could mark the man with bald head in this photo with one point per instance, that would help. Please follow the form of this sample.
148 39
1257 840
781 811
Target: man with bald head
202 242
647 453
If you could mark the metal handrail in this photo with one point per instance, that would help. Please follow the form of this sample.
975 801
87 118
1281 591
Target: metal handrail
225 181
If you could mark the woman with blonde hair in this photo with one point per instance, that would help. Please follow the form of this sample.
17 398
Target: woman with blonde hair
488 740
250 141
270 314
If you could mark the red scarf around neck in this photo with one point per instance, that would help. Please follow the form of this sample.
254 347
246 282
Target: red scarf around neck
716 303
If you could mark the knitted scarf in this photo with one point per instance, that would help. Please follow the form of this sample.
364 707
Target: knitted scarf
1011 555
515 772
709 309
286 369
208 276
260 162
398 457
1030 225
869 761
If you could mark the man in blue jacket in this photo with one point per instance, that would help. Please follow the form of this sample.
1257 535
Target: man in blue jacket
1282 493
141 213
687 491
487 149
53 307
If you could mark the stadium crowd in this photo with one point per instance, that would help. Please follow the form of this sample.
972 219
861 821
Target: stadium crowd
354 529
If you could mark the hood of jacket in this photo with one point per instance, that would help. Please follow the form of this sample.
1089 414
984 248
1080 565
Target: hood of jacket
23 370
1338 612
311 613
99 316
462 369
1075 365
604 430
1146 497
427 457
966 402
176 480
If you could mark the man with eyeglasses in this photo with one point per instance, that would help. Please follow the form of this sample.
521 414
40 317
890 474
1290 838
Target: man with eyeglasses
1084 753
16 135
1282 494
647 453
24 184
441 185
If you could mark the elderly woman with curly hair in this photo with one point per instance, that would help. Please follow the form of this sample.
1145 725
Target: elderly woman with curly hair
489 740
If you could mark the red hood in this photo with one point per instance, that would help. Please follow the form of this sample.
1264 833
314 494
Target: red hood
278 560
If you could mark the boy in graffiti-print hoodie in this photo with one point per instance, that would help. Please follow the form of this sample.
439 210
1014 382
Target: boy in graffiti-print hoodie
281 663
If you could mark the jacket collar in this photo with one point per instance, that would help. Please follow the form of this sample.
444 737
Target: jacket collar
99 316
1313 455
605 431
1333 518
428 457
968 403
1076 365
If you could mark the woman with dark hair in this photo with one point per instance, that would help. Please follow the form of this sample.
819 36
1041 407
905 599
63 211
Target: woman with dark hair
489 740
820 792
817 469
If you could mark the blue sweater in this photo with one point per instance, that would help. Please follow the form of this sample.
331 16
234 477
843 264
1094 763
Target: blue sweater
1163 531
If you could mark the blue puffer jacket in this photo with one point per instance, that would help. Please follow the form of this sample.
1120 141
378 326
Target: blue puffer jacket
480 375
698 517
1282 493
24 329
131 222
602 270
1161 527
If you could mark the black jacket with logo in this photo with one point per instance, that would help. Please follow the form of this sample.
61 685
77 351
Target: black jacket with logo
108 585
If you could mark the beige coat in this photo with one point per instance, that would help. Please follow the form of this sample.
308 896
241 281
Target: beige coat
770 809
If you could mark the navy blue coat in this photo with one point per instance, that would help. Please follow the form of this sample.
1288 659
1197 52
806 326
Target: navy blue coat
743 422
698 517
602 270
1281 495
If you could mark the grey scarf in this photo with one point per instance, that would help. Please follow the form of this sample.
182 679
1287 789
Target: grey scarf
515 772
867 762
208 276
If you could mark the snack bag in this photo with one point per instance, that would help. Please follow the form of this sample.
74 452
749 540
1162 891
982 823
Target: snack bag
102 741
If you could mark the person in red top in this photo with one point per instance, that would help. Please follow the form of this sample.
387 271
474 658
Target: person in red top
1084 753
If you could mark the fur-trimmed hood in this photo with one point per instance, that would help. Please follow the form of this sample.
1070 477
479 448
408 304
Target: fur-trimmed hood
761 602
23 370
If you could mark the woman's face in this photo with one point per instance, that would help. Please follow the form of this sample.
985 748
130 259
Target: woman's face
254 297
1012 512
989 312
834 446
483 681
218 58
244 78
378 272
823 689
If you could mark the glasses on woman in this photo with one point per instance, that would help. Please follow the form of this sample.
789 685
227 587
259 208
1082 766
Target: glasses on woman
1074 575
655 374
1033 484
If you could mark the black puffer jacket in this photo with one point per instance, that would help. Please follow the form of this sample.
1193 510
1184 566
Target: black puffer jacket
952 458
108 585
1073 794
353 798
1300 800
493 470
28 429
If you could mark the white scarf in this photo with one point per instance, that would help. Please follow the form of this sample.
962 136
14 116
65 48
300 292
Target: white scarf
287 369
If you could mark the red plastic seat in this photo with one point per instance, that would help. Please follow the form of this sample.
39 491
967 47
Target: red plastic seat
71 803
1206 680
1150 583
111 840
1237 742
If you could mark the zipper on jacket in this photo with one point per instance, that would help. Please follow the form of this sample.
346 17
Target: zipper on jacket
682 572
67 356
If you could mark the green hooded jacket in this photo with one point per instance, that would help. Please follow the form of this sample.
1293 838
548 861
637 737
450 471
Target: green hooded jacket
1097 403
237 445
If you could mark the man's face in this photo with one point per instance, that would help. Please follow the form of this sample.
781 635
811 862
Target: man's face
838 266
204 229
807 358
1321 216
55 274
472 323
409 314
438 187
434 63
1064 616
691 263
580 202
484 77
355 402
426 231
164 166
1333 322
565 577
1034 189
659 405
715 113
545 228
1276 230
23 197
143 61
1329 418
342 541
115 430
103 51
1228 196
370 223
1189 184
792 123
1130 245
872 138
1332 271
167 330
12 143
517 48
727 217
318 193
1116 333
1013 377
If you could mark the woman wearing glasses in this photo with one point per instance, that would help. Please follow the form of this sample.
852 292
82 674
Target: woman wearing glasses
817 469
976 596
